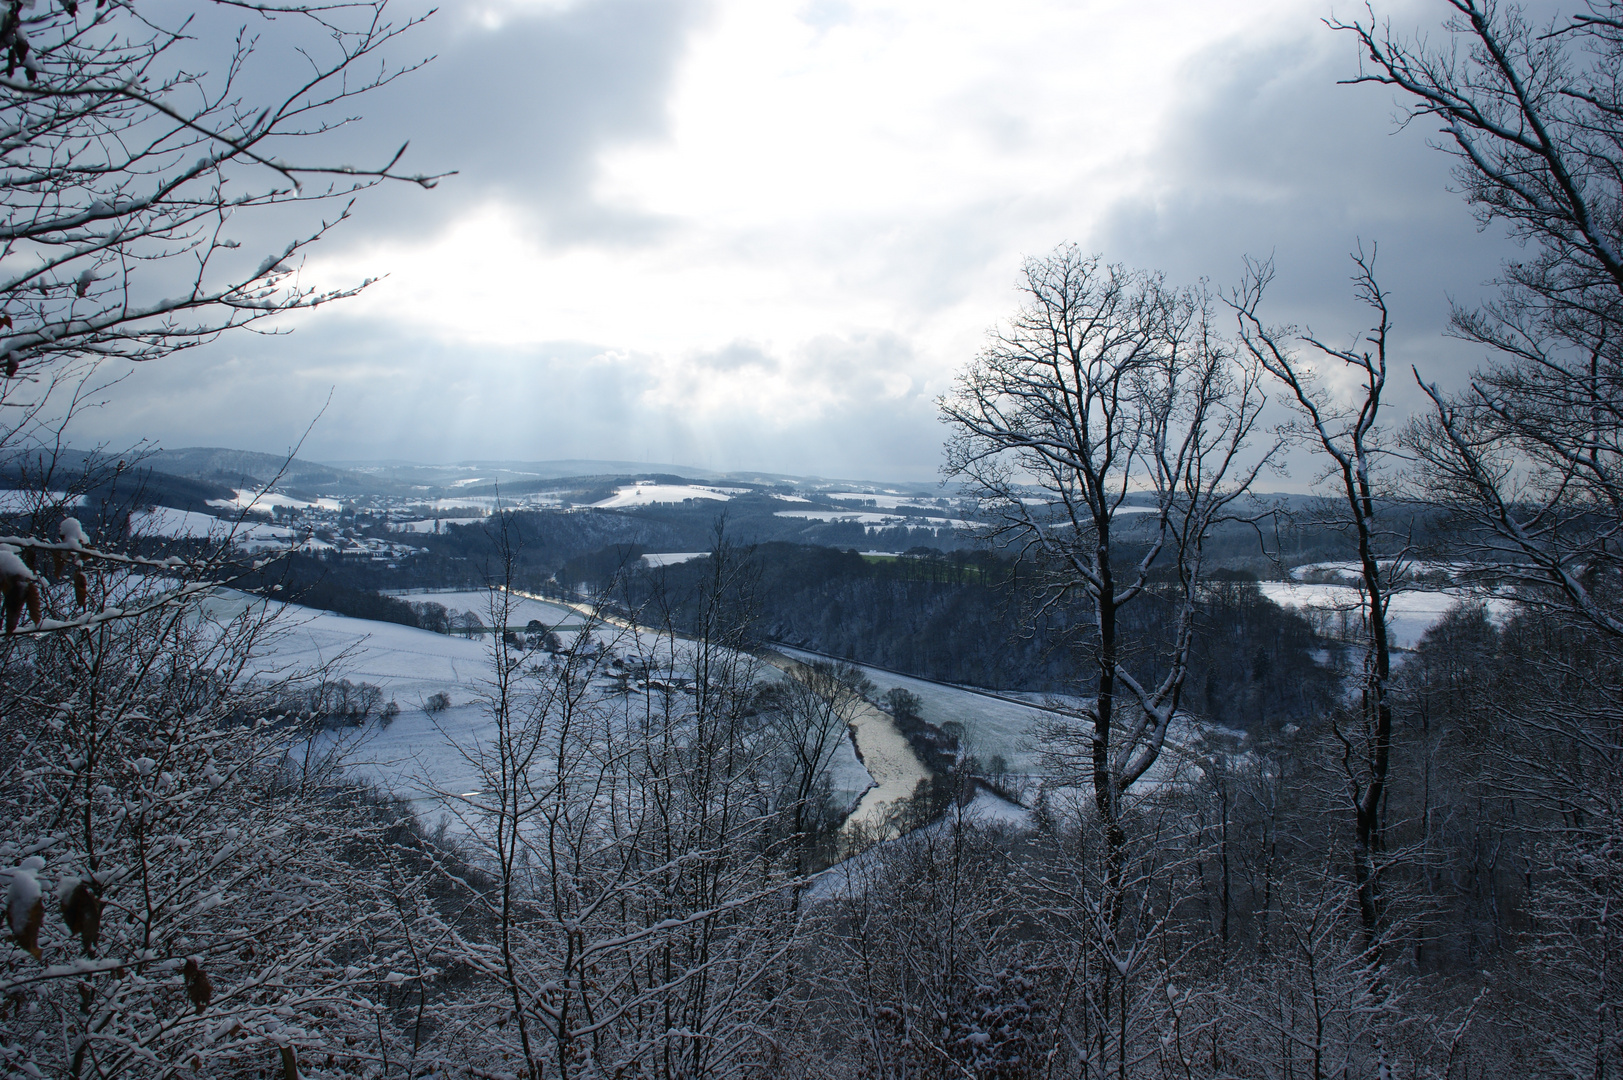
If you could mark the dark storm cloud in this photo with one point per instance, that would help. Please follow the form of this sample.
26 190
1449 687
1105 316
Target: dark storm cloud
520 109
1270 157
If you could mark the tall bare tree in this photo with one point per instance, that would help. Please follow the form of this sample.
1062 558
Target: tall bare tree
125 165
1103 432
1532 450
140 148
1348 433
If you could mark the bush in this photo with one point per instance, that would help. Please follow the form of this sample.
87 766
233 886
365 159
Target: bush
432 616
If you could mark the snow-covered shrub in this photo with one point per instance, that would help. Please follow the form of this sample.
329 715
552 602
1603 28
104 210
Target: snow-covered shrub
201 907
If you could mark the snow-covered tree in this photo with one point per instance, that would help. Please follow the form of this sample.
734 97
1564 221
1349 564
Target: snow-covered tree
633 894
1346 432
180 897
1103 432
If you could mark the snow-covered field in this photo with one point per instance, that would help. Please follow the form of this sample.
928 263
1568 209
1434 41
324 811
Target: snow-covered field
871 517
864 517
415 753
1409 615
418 754
992 725
486 503
23 501
884 501
428 524
164 521
1347 572
671 558
646 494
524 608
247 498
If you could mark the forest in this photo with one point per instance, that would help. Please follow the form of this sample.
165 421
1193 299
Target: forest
1257 845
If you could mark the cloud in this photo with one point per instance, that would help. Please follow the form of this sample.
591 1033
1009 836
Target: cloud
736 356
521 101
741 234
1271 158
835 406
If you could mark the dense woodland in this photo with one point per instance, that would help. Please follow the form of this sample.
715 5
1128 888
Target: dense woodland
1254 849
968 619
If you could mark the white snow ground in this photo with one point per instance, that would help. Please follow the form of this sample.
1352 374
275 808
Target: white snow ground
1409 615
992 725
524 608
870 517
884 502
165 521
672 558
427 524
24 500
418 754
251 497
415 752
648 494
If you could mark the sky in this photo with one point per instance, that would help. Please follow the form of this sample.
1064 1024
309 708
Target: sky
766 234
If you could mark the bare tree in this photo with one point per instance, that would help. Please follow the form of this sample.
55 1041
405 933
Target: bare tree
123 168
1350 436
190 884
810 712
127 169
1532 451
637 907
1103 432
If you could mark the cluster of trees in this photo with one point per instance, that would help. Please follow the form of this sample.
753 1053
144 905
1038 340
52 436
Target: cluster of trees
332 702
983 620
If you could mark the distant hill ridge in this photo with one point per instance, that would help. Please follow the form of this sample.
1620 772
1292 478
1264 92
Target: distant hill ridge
248 468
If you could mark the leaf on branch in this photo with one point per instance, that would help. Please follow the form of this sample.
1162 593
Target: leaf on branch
25 907
198 987
19 586
82 913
